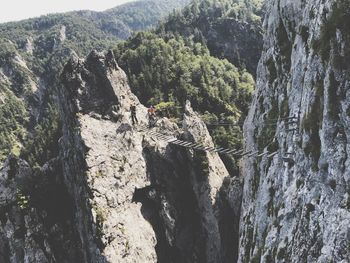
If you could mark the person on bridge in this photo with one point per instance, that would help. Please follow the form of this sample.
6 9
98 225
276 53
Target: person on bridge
133 114
151 111
151 116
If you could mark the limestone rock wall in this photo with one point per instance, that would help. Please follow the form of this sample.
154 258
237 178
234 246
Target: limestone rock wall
296 203
36 215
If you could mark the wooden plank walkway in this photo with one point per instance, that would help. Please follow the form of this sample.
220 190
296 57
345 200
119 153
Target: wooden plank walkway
200 147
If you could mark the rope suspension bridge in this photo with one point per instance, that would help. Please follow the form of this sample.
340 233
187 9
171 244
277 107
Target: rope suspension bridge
238 153
290 123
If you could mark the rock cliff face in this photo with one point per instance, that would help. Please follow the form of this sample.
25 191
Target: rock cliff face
36 215
138 198
296 203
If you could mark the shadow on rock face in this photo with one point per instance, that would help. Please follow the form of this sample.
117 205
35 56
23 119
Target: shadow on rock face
124 127
174 204
37 216
151 206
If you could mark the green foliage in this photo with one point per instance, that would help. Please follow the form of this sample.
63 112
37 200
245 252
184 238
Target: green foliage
87 29
127 247
201 165
140 15
7 51
165 105
168 109
46 62
174 71
13 119
210 10
235 22
17 76
228 137
101 217
249 11
100 173
43 144
208 117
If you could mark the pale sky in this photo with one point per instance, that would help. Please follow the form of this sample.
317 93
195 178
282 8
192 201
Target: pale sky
13 10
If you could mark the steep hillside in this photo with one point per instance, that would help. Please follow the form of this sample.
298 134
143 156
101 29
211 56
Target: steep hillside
115 23
230 29
142 15
296 201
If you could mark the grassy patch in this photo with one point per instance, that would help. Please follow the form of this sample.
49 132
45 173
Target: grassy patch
100 173
101 217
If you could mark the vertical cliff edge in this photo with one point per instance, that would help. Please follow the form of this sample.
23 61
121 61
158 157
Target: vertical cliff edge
296 203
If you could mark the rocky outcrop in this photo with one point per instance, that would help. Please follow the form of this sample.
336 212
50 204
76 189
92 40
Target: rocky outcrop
296 202
138 198
36 215
186 199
